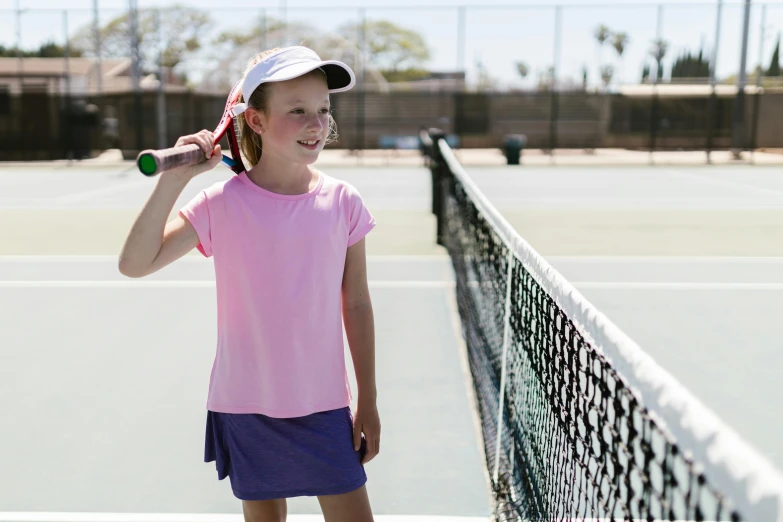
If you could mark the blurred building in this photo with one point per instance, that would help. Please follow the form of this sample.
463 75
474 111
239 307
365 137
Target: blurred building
79 76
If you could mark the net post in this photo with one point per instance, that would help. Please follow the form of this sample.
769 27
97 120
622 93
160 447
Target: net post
439 169
506 342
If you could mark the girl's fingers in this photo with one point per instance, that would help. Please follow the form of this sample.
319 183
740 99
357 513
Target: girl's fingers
203 139
357 437
205 142
217 155
373 448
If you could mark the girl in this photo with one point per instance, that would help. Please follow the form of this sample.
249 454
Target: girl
288 248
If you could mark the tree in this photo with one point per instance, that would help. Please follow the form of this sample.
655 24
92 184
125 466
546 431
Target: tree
602 34
389 47
484 81
229 41
774 65
607 71
46 50
645 72
546 79
229 53
691 66
180 28
410 74
658 52
620 41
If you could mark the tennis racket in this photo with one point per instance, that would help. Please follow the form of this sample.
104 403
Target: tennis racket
151 162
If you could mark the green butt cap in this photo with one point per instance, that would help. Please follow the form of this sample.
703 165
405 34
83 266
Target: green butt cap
147 164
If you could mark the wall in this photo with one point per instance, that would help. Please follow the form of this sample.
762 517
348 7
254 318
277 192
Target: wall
38 126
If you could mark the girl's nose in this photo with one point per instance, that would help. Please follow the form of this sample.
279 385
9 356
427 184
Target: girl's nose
314 121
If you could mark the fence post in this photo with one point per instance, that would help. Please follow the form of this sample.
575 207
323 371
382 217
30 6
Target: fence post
738 141
461 38
19 58
161 101
554 94
97 37
262 28
757 97
69 116
138 117
360 92
654 100
712 100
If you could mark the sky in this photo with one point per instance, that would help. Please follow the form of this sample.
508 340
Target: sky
498 34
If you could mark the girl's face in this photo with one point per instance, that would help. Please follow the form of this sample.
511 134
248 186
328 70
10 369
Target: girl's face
296 123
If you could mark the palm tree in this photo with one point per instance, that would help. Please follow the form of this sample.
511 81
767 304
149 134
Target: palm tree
658 51
602 35
522 69
620 41
607 71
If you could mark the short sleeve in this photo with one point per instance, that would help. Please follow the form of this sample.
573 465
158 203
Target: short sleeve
360 221
196 211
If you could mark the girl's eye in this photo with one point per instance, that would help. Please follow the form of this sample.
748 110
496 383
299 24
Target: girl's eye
301 111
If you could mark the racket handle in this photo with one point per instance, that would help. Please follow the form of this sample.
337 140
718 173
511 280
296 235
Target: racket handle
152 162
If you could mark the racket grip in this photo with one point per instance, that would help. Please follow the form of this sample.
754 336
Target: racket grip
152 162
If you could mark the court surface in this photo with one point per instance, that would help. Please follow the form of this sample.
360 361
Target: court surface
103 378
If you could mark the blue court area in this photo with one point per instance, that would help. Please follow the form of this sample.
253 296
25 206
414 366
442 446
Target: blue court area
103 379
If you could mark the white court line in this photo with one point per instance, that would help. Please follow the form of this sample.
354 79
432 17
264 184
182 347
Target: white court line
608 285
732 184
634 285
73 258
31 516
666 259
133 283
23 516
65 258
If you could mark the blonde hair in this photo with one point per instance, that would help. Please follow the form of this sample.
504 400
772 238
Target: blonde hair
249 140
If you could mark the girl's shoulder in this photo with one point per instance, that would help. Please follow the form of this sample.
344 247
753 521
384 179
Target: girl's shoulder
339 187
219 189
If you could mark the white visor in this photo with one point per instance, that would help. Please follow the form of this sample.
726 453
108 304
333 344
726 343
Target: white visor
292 62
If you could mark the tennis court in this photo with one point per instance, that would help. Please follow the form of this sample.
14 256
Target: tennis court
687 261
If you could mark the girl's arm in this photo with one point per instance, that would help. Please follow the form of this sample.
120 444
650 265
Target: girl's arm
152 243
360 331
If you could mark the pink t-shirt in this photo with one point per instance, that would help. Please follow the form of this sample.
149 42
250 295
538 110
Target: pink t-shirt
279 262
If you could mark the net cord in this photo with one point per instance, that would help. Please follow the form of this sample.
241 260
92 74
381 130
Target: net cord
506 342
732 465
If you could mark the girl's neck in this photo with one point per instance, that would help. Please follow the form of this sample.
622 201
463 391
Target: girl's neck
281 176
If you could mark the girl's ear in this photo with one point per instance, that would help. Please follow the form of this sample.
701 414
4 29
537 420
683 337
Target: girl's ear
255 120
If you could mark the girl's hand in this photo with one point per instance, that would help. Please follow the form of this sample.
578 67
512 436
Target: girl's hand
204 140
367 421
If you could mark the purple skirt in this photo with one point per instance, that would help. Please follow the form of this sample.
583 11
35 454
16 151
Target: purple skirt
268 458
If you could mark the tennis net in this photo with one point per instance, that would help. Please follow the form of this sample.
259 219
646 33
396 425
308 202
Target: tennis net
578 422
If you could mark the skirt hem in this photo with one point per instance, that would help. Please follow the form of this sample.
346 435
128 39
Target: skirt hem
335 490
